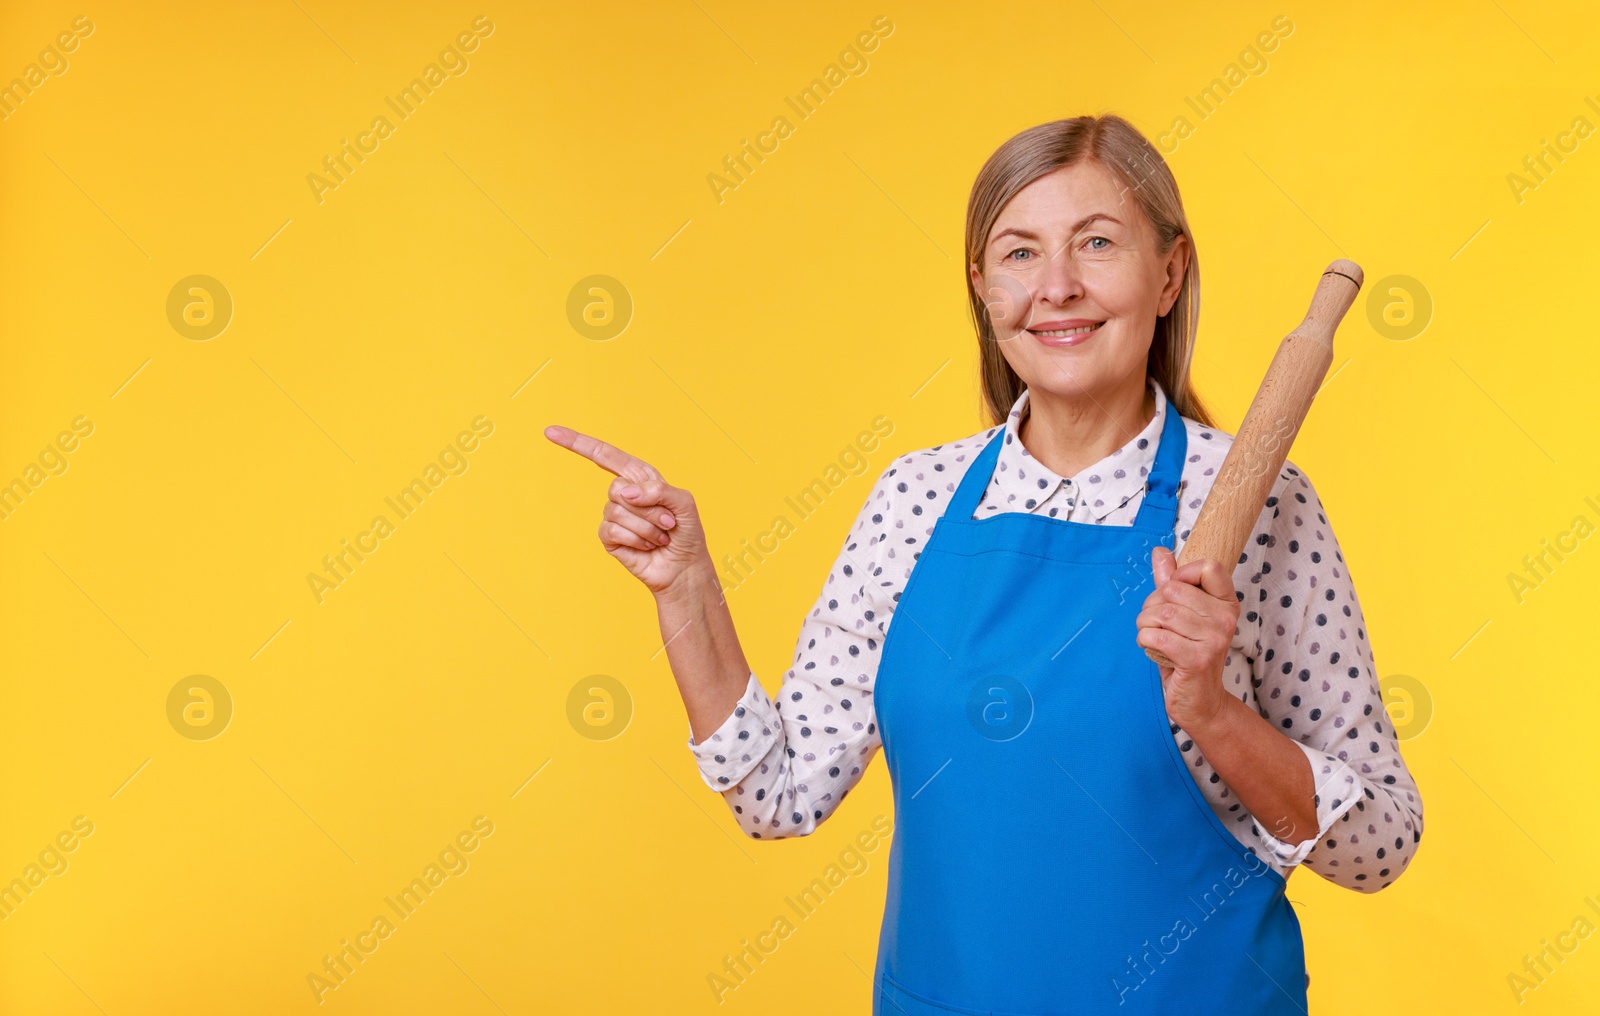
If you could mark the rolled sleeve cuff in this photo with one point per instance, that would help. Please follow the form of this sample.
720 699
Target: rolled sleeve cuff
741 742
1337 791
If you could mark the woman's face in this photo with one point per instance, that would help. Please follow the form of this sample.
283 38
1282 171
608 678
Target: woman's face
1073 282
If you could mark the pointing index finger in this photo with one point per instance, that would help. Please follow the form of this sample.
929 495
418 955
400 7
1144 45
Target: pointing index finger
606 456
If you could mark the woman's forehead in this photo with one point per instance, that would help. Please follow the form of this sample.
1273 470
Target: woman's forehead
1065 201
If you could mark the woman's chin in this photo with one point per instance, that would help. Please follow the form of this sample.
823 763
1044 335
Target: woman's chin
1071 366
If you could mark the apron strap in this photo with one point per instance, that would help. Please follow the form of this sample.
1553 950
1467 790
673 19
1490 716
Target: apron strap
1160 506
975 480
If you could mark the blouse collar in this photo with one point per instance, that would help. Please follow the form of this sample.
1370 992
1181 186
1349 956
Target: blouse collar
1091 495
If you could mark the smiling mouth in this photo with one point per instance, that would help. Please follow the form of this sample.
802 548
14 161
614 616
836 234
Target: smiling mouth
1062 333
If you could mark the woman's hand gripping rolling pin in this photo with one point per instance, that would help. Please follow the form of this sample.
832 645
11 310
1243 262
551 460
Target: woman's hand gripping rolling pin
1190 617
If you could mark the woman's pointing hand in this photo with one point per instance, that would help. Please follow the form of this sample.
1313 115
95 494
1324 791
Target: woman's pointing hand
649 525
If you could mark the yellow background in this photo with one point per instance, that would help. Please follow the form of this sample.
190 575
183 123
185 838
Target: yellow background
825 291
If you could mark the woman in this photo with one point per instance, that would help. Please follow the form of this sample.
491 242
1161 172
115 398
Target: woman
1077 830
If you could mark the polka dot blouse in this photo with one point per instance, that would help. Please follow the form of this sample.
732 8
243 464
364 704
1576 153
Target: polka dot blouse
1300 653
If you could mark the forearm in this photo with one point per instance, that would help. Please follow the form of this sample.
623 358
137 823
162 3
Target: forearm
1266 771
784 762
702 648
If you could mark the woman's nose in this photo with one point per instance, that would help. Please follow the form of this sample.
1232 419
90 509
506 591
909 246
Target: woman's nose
1062 279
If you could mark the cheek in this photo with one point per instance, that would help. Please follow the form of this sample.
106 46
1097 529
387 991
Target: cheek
1009 301
1124 290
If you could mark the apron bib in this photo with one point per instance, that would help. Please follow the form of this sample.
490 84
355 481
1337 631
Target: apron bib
1051 852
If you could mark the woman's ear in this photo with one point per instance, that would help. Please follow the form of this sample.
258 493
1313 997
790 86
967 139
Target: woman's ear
1177 264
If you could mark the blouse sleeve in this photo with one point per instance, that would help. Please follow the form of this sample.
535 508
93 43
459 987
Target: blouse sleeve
1315 679
784 766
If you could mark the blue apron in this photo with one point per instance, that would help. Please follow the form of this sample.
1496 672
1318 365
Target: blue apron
1052 853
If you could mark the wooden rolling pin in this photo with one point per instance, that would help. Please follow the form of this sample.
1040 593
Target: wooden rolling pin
1260 447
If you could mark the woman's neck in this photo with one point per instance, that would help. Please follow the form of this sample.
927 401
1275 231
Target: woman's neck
1069 433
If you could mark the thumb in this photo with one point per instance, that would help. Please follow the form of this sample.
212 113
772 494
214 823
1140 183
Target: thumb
659 492
1164 563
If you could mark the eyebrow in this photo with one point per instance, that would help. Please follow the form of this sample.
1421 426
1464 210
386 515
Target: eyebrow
1028 234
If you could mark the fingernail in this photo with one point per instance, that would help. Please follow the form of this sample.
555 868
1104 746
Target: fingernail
630 492
667 520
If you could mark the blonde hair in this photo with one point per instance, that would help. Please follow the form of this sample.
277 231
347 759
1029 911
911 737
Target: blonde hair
1117 145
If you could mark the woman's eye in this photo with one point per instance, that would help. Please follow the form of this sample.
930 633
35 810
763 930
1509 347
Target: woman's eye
1092 239
1019 250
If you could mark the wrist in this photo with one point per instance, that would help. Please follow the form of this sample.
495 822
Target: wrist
1217 724
694 584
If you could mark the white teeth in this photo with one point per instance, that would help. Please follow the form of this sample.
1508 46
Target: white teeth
1062 333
